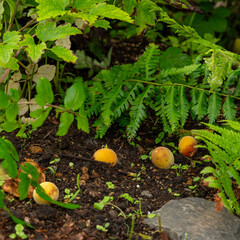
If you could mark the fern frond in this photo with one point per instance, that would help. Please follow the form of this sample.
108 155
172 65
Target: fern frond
200 108
108 101
229 108
160 111
233 124
184 105
148 62
124 102
137 112
223 146
171 108
214 107
186 70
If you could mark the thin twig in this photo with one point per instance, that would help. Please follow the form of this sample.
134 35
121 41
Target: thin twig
13 16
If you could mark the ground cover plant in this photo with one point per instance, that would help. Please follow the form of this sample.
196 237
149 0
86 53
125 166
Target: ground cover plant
56 67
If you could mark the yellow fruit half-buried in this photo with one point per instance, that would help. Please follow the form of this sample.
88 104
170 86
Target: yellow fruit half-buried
186 146
162 157
106 155
51 189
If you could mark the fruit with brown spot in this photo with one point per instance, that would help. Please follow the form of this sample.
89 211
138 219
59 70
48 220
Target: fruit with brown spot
187 146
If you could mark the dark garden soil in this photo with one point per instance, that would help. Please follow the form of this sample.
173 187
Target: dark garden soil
152 186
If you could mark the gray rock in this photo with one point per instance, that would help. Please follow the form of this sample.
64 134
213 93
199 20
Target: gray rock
198 219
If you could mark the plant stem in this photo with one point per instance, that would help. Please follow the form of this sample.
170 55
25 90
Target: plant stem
179 84
159 226
13 16
132 227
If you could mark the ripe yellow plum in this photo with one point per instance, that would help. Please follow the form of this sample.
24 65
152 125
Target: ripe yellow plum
187 146
51 189
162 157
106 155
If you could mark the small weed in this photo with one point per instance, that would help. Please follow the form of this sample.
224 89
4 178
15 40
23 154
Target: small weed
110 185
180 168
103 228
71 165
19 232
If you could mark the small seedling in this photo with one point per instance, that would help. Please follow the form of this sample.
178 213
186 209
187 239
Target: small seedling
53 170
127 197
107 201
68 194
180 168
56 160
19 232
71 164
172 193
110 185
103 228
159 137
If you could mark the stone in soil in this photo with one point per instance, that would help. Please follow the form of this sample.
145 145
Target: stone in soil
198 219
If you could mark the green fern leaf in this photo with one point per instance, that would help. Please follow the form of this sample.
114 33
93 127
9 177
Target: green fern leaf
160 111
137 112
108 101
186 70
171 108
200 109
148 62
184 105
229 108
214 107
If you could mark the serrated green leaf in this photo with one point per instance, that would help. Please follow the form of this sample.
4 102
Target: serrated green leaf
12 111
12 64
23 185
85 4
10 42
34 51
102 23
4 100
110 11
44 92
10 157
64 53
9 126
51 8
145 15
40 116
75 97
129 6
30 169
49 31
14 94
66 120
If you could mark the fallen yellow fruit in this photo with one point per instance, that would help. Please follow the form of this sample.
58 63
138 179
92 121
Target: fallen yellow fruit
106 155
186 146
51 189
162 158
